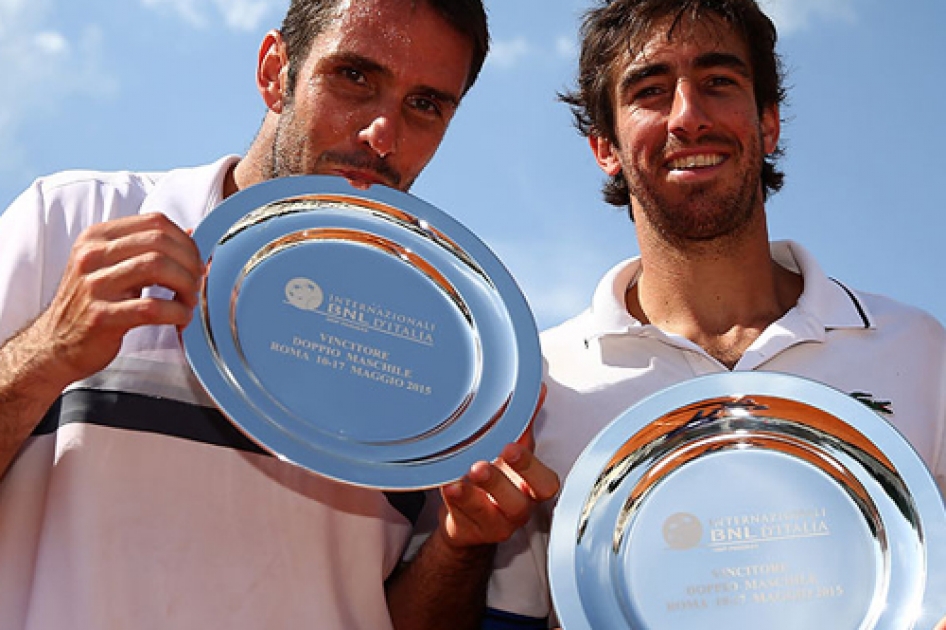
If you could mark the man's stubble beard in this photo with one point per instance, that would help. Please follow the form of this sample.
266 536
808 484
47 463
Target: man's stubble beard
702 217
289 155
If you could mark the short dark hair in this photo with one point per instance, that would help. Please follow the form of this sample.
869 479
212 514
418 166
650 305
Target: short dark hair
306 19
617 26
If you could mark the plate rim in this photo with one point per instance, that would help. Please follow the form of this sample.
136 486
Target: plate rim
394 476
561 562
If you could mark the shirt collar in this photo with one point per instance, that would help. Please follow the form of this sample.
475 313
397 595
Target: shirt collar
825 302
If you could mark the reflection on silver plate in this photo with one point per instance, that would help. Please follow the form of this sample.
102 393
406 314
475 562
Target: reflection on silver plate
362 335
749 500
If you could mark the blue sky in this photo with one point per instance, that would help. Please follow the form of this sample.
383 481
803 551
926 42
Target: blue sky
154 84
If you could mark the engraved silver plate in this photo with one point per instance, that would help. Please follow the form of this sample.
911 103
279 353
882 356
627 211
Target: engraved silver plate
749 500
362 335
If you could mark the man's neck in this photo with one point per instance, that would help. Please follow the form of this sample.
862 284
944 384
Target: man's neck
256 165
721 295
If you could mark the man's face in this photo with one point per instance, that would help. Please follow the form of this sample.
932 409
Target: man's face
690 140
375 95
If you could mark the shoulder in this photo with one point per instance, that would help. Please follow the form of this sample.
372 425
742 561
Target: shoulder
64 181
900 333
85 186
567 336
890 315
839 305
80 198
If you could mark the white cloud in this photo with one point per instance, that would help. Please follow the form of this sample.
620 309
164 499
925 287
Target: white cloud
244 15
238 15
9 11
51 43
508 53
566 47
796 15
511 53
43 68
186 10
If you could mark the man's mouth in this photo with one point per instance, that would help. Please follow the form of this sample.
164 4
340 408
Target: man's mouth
702 160
360 171
359 179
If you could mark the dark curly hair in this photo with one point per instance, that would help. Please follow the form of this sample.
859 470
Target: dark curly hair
614 27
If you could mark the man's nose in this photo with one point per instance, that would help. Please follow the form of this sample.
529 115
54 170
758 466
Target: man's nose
688 116
380 134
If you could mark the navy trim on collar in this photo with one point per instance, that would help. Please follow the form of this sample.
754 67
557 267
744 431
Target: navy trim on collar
857 303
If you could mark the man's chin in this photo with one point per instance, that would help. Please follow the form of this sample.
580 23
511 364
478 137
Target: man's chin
360 184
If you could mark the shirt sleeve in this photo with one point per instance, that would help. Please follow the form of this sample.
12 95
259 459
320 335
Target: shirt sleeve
22 232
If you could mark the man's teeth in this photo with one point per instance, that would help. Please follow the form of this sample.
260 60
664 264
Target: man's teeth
696 161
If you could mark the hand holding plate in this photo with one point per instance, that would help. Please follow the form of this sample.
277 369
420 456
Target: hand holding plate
495 499
100 297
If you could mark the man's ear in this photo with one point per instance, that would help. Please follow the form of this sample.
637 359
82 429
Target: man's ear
272 71
771 128
605 155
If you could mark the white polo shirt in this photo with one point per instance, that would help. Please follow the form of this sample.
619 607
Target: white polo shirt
136 504
604 361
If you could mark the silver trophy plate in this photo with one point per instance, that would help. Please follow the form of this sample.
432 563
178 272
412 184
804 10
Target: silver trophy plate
749 500
362 335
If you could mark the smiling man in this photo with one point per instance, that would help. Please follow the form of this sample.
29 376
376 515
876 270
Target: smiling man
126 499
680 101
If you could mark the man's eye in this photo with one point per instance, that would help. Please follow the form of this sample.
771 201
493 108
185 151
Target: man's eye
425 105
353 74
647 92
721 81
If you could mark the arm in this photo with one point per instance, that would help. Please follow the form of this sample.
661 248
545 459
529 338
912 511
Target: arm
445 585
97 302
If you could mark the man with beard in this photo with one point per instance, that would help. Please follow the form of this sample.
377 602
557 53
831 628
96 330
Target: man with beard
680 101
126 499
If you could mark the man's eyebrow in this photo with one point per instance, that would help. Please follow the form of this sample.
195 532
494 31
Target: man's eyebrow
444 97
705 61
370 66
365 64
723 60
640 74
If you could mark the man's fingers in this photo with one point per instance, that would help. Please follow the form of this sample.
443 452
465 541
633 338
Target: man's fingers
504 492
101 295
143 251
495 499
472 517
127 278
485 507
541 481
